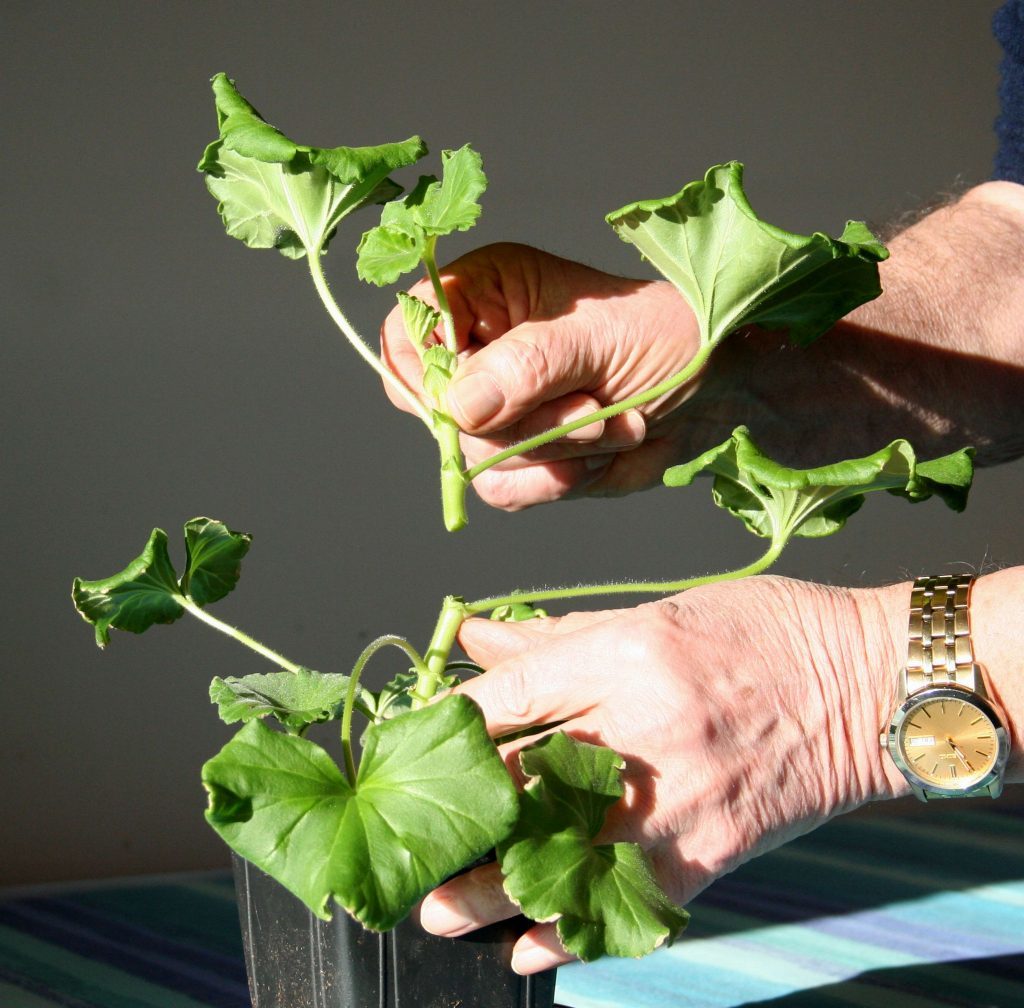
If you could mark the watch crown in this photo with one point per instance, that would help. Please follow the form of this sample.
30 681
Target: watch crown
883 739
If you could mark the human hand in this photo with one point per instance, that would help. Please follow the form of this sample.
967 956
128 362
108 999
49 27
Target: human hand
543 341
742 710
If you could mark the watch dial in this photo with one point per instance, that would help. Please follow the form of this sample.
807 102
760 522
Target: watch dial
948 742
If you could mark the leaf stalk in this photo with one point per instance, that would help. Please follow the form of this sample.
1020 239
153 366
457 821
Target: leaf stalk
359 344
243 638
388 640
627 587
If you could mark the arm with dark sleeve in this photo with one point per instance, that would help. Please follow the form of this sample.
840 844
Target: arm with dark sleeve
1008 26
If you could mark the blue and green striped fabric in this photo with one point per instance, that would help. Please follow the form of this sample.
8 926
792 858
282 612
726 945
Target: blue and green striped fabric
913 908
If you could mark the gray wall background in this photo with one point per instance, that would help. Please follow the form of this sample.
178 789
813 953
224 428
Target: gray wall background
155 369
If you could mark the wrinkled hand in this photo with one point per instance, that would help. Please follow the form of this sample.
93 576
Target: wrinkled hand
544 341
742 710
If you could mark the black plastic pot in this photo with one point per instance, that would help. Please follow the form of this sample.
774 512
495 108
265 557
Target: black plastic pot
295 960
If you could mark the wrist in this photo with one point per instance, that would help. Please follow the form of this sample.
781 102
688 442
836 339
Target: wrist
857 649
995 607
884 614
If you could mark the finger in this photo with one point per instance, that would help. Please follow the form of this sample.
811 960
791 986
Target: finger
539 949
489 641
629 471
567 409
519 488
532 364
467 902
619 433
476 899
568 676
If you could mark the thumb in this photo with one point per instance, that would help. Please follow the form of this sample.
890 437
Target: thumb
532 364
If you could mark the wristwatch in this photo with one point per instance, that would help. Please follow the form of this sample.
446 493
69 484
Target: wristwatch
947 736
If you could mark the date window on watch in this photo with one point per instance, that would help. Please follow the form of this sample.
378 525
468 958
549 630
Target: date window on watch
919 741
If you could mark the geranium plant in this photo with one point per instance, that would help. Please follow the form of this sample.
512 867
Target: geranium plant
430 794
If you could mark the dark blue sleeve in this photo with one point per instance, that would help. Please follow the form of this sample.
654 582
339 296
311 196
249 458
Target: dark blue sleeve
1008 26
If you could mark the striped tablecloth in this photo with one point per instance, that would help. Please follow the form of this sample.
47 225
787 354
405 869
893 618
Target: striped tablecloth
915 907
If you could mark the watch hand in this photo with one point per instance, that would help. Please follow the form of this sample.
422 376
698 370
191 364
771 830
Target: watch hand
959 754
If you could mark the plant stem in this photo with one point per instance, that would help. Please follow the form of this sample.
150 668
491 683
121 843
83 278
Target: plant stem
443 306
626 587
455 611
243 638
453 483
453 615
446 431
360 346
353 687
606 412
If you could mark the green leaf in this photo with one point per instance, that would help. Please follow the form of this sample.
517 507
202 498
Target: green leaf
517 612
296 699
777 502
452 204
420 320
394 697
431 796
438 367
144 593
604 896
385 253
214 559
409 227
736 270
275 193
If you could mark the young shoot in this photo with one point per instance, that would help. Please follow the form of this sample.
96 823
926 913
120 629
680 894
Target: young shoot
733 269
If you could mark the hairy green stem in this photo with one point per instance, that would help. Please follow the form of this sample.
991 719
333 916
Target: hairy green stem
388 640
625 587
453 615
455 611
450 342
446 431
605 413
243 638
359 344
453 483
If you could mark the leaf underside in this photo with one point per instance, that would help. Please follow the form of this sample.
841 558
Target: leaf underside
736 270
778 502
275 193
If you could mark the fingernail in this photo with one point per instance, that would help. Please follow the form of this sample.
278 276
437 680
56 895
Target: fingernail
442 918
589 433
532 959
475 398
595 462
634 429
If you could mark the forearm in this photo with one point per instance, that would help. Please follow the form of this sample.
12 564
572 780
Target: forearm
937 359
997 614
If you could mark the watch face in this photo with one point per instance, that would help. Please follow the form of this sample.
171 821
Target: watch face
948 742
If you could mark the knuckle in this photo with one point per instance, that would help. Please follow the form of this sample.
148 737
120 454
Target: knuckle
656 641
528 365
499 490
512 693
